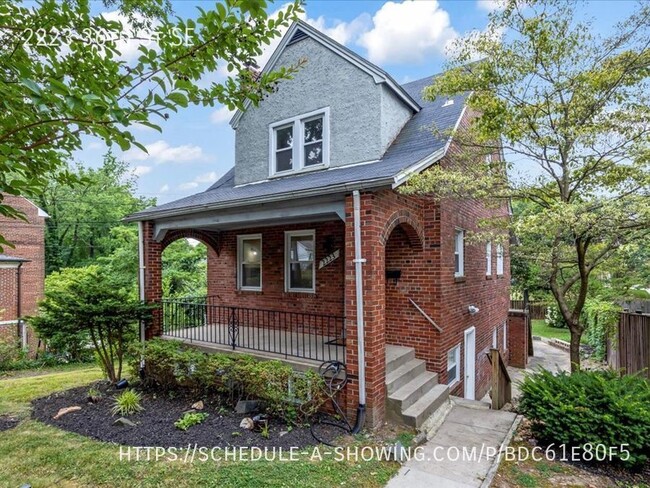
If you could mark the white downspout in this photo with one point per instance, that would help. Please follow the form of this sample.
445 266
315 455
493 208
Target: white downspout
141 285
358 275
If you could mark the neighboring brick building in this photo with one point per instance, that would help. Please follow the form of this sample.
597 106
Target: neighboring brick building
22 269
282 235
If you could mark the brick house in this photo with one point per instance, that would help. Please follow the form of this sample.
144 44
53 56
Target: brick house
22 270
313 254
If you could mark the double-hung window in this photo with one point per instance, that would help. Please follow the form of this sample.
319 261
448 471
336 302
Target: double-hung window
453 365
249 262
459 253
300 260
499 259
300 143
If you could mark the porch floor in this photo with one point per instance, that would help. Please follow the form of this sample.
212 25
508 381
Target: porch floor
309 350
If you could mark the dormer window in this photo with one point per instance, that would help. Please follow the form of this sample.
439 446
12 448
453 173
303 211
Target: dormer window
300 143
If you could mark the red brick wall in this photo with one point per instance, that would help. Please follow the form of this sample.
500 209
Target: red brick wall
29 241
328 299
518 323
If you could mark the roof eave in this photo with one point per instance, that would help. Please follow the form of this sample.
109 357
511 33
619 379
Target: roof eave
328 190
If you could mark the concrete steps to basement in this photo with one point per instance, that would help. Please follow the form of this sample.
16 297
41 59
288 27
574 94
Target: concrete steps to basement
413 393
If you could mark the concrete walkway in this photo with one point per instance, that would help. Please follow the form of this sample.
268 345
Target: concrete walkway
547 357
462 451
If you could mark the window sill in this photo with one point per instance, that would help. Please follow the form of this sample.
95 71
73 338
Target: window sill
244 291
460 279
453 383
488 277
499 276
300 171
300 292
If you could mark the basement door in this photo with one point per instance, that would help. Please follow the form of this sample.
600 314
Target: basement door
470 363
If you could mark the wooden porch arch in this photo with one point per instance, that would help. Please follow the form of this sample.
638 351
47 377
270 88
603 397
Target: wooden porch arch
210 239
410 225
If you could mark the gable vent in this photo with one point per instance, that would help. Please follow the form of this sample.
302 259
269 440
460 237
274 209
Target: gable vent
297 37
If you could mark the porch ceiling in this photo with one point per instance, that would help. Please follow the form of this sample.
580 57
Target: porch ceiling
262 215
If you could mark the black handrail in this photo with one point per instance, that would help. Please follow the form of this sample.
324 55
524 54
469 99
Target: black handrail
314 336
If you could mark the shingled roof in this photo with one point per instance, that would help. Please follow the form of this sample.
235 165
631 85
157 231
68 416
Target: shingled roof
415 144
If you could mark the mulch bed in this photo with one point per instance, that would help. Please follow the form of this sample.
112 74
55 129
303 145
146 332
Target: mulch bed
7 422
155 424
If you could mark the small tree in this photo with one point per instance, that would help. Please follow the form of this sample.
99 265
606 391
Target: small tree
571 112
88 302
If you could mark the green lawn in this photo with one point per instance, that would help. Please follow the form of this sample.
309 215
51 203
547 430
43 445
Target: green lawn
541 329
45 456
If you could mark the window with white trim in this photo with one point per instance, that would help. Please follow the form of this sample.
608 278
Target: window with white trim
300 143
499 259
494 338
300 261
249 262
459 253
488 259
453 365
505 335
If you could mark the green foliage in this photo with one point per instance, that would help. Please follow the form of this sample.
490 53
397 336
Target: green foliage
171 365
127 403
554 318
87 304
94 395
600 318
64 76
590 407
15 358
185 269
190 419
570 109
82 216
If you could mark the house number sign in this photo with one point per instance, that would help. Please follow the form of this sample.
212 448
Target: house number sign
328 259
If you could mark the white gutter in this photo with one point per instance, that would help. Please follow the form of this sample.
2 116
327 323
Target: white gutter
358 274
141 282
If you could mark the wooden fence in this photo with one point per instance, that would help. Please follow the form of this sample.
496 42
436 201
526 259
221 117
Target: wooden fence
636 306
630 350
537 309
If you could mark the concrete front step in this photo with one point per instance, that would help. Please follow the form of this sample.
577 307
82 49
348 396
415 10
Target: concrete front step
413 393
422 409
408 394
397 356
404 374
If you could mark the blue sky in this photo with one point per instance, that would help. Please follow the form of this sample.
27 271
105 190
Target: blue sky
407 39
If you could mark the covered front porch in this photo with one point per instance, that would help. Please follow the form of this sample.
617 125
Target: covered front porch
298 337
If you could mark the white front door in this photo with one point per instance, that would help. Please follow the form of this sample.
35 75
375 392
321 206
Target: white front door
470 363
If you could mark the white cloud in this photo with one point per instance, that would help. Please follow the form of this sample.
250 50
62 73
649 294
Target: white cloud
141 170
489 5
204 178
128 46
164 188
221 115
161 152
408 32
342 32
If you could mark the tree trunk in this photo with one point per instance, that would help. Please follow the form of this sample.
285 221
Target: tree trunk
574 349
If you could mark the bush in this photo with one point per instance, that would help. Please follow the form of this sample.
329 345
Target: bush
190 419
171 365
590 407
14 358
554 318
600 318
89 303
127 403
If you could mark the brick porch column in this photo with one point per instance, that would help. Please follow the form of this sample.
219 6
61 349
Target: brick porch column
518 323
373 290
152 277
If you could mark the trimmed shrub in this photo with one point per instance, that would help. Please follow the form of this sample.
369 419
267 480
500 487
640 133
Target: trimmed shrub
172 365
590 408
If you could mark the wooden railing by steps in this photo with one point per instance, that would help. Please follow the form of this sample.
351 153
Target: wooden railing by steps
501 384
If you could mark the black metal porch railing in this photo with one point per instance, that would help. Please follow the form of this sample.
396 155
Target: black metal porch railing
312 336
